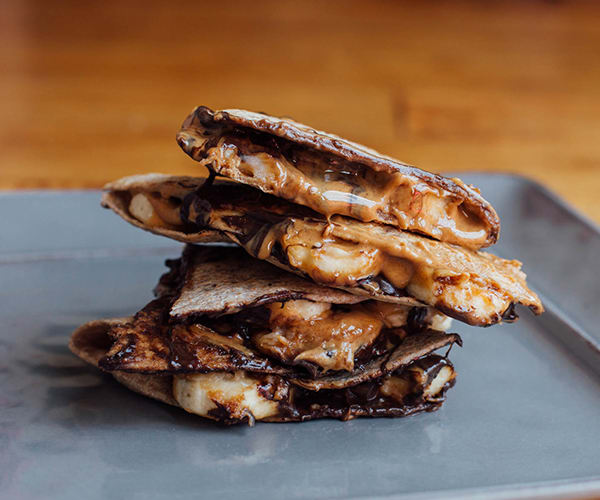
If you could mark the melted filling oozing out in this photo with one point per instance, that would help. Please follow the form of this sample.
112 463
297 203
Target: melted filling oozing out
310 248
330 337
336 187
155 210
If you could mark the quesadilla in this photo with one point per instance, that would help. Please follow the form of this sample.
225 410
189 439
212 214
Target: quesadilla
334 176
366 259
319 278
237 340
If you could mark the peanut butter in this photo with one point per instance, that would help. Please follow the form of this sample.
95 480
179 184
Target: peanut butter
302 331
339 188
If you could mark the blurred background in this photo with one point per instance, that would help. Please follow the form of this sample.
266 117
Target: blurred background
91 91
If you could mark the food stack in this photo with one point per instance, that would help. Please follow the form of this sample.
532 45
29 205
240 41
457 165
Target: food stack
319 277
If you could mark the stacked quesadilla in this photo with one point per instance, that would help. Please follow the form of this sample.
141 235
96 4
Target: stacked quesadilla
318 280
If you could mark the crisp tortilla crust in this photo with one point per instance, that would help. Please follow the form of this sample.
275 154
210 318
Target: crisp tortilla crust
147 344
220 280
472 286
91 341
245 214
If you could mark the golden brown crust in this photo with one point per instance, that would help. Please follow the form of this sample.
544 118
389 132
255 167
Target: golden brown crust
238 213
221 280
132 345
472 286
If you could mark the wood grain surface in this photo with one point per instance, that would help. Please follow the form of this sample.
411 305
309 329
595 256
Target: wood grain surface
91 91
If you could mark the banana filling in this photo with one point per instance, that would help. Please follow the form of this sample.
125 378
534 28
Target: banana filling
477 288
241 396
234 396
155 210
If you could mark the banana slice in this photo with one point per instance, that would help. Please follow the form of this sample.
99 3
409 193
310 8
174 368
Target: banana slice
235 396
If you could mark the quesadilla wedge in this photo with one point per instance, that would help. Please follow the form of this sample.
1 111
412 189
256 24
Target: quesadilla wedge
366 259
330 354
419 383
334 176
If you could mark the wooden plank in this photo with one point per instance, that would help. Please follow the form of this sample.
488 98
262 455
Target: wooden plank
92 91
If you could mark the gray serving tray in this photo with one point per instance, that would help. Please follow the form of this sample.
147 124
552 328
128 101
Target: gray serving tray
522 421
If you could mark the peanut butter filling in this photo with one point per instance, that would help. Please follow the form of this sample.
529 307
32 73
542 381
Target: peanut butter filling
301 331
334 176
336 187
474 287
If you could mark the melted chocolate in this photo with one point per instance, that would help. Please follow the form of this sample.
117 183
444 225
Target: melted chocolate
364 400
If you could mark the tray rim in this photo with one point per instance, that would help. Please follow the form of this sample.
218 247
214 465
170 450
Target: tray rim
587 488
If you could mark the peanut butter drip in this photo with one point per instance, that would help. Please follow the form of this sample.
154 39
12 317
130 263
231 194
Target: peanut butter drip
336 187
301 331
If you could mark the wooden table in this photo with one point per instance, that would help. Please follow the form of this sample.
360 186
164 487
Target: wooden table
92 91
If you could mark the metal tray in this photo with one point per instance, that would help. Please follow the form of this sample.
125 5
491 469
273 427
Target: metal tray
522 421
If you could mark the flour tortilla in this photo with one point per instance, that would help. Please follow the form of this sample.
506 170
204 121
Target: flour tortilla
88 343
220 280
209 352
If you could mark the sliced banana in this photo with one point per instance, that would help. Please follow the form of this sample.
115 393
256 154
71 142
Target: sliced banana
155 210
237 394
141 208
413 381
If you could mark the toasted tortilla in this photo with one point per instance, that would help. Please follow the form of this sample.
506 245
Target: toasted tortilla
471 286
267 153
91 341
221 280
147 343
211 281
